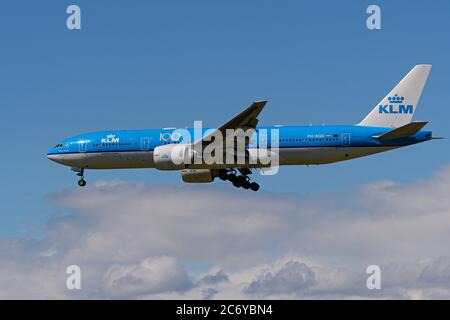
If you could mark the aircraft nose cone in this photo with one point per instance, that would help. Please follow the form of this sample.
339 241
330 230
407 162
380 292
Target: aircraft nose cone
54 157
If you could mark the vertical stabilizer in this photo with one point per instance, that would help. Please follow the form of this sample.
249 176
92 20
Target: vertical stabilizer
398 107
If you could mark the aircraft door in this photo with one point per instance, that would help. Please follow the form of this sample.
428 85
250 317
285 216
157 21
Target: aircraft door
83 146
145 144
346 138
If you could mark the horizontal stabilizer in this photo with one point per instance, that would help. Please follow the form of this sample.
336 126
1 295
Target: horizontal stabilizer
403 131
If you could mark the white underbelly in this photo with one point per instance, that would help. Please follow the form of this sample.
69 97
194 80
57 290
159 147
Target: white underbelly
108 160
144 159
323 155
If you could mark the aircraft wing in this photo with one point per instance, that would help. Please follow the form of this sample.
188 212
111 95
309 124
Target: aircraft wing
247 119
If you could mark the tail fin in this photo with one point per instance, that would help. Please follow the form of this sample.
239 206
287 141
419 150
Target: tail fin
397 108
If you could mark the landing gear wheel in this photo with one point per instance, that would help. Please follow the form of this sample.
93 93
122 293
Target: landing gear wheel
223 176
236 183
242 180
254 186
80 173
239 181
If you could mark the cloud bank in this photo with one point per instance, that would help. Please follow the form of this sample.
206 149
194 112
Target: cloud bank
134 241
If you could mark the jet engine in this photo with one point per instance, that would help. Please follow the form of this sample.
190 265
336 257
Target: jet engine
197 175
172 156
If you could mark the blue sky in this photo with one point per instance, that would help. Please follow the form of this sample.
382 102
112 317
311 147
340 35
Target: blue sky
150 64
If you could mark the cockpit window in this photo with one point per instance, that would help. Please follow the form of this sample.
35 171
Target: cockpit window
59 145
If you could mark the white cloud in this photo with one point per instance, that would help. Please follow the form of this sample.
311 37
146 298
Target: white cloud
211 279
293 277
150 276
437 272
131 241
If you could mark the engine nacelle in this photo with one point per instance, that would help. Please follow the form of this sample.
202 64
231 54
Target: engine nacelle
172 156
197 175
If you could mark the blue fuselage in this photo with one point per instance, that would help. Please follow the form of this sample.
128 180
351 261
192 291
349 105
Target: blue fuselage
297 145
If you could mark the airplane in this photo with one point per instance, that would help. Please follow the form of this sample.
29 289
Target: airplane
388 126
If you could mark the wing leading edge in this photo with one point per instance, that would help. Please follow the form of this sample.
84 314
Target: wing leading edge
247 119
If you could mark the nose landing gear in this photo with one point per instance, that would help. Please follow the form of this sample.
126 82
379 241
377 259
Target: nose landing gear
80 173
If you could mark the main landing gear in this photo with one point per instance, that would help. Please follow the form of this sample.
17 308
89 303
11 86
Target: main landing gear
239 181
80 173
